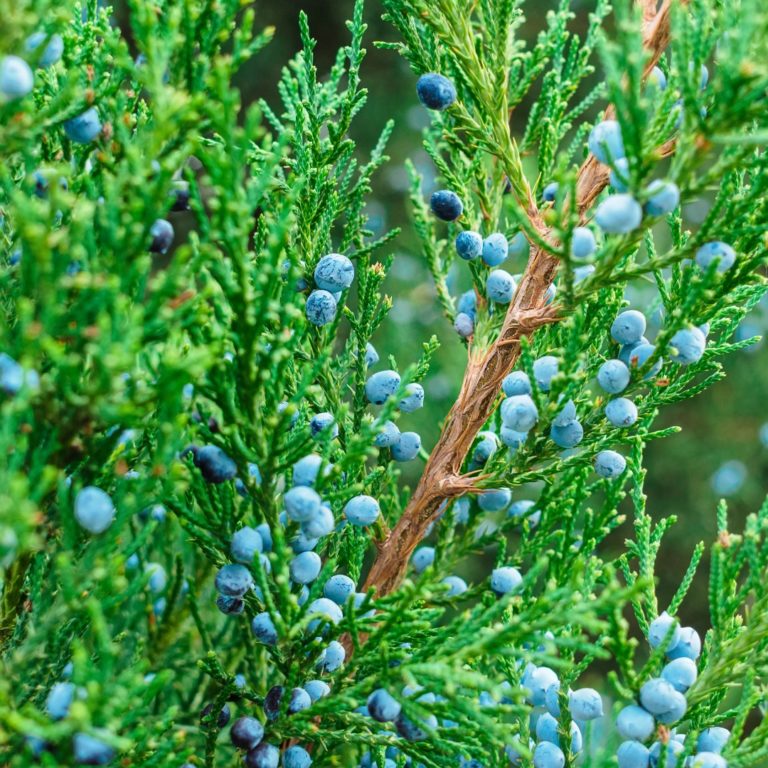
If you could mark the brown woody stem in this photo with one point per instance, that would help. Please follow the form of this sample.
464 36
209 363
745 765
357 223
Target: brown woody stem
442 478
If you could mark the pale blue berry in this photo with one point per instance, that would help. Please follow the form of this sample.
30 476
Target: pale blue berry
519 413
413 398
673 751
605 141
663 198
713 739
657 79
305 567
16 78
610 464
306 469
519 246
500 286
296 757
371 355
334 273
59 700
687 346
546 729
680 673
621 412
324 425
548 755
339 588
321 524
158 578
301 503
583 243
464 325
495 500
387 436
537 682
619 214
516 383
446 205
582 273
716 251
640 355
381 386
505 579
423 558
708 760
632 754
634 722
362 510
89 750
407 447
52 51
469 245
487 446
662 627
585 704
620 176
613 376
317 689
521 510
456 585
549 193
94 510
435 91
495 249
688 645
568 436
245 544
233 580
565 415
332 657
658 696
467 303
321 307
512 438
84 128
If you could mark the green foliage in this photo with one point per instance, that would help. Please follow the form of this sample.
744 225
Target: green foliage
132 357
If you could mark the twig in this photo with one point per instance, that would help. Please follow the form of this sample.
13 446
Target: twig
442 479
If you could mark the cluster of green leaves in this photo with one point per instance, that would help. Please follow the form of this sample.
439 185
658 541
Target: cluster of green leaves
139 357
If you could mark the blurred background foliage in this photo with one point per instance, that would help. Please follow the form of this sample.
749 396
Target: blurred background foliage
722 448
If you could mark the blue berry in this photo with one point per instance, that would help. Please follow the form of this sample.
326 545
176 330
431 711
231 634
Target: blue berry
322 523
296 757
548 755
495 500
301 503
522 510
500 286
552 699
306 469
305 567
505 579
300 700
413 398
632 754
52 51
245 544
519 413
223 717
549 193
339 588
16 78
687 346
680 673
371 355
246 732
674 749
568 436
411 731
446 205
423 558
263 629
381 386
544 370
233 580
605 142
716 251
619 214
613 376
464 325
321 307
516 383
456 585
708 760
657 79
610 464
537 681
387 436
362 510
621 412
620 176
88 750
634 722
658 696
273 701
383 707
546 729
84 128
663 198
326 611
59 700
324 425
469 245
583 243
317 689
158 578
214 465
565 415
94 509
582 273
661 627
407 447
162 234
435 91
495 249
332 657
688 645
334 273
485 448
467 303
512 438
263 756
229 606
519 246
640 355
585 704
713 740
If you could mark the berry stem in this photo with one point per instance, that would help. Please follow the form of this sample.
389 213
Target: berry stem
442 478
